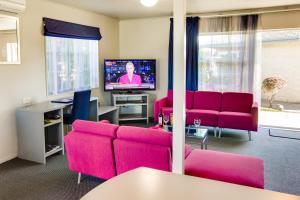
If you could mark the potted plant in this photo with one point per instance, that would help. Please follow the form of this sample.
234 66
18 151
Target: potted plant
271 86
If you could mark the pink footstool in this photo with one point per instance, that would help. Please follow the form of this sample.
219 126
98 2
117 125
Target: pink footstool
227 167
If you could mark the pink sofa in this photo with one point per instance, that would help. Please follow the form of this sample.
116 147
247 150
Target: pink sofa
105 150
224 110
227 167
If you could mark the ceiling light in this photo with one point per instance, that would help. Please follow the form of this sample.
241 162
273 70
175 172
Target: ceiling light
149 3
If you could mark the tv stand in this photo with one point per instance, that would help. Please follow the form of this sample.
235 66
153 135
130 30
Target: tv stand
132 106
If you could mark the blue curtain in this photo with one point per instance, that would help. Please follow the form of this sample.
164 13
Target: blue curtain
192 51
170 65
57 28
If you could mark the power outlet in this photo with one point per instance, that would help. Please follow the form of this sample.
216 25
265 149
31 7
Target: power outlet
27 101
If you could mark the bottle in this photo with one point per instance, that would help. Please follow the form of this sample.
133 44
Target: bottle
160 119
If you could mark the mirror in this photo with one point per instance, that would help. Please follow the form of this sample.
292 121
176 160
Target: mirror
9 40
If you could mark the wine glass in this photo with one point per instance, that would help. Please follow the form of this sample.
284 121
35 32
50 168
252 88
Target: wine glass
197 123
166 119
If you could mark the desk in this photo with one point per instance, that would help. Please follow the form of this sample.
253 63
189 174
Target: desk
34 135
93 112
149 184
110 113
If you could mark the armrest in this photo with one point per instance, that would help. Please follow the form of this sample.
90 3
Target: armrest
187 150
254 112
158 104
105 121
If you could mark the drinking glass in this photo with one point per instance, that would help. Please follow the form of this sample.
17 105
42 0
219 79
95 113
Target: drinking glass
166 119
197 123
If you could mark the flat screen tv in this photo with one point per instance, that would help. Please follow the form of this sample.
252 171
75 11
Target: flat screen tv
128 75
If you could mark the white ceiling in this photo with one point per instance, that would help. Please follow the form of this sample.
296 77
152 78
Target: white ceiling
125 9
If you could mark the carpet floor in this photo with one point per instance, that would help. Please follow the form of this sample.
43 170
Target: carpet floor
20 179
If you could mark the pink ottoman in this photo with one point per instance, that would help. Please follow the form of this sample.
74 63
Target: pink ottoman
227 167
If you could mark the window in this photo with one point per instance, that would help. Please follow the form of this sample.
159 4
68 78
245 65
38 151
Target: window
72 64
219 55
9 40
224 60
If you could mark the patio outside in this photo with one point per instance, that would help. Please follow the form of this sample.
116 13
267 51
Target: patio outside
280 103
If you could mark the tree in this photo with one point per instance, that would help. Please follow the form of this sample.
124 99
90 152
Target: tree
271 86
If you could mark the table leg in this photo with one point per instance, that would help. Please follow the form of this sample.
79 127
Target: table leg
278 136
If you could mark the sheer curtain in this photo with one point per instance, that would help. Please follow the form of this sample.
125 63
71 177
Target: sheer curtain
72 64
228 55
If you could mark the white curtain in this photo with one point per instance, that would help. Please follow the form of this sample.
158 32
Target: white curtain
228 57
72 64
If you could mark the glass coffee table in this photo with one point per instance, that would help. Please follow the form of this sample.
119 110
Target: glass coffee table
193 131
199 133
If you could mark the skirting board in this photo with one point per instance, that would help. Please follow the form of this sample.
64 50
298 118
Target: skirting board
7 158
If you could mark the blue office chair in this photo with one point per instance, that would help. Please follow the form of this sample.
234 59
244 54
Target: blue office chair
80 108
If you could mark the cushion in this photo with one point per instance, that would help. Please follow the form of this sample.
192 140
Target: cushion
98 128
90 154
207 117
231 168
187 150
237 120
131 155
189 97
167 110
237 102
145 135
207 100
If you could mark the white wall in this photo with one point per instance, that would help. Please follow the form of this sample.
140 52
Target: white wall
282 59
28 79
148 38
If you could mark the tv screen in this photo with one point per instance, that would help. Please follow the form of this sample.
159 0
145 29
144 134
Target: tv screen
138 74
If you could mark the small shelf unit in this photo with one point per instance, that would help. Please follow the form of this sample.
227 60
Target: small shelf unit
132 107
39 136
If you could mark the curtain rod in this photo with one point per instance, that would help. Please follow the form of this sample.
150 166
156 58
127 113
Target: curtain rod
246 11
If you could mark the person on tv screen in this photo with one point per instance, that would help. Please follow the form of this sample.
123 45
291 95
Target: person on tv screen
130 77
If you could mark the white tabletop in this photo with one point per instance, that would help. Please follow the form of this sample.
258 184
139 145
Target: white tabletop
107 109
149 184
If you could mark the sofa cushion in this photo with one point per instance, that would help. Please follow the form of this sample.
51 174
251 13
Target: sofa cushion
237 120
144 135
98 128
90 154
237 102
231 168
187 150
167 110
206 100
130 155
207 117
189 97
